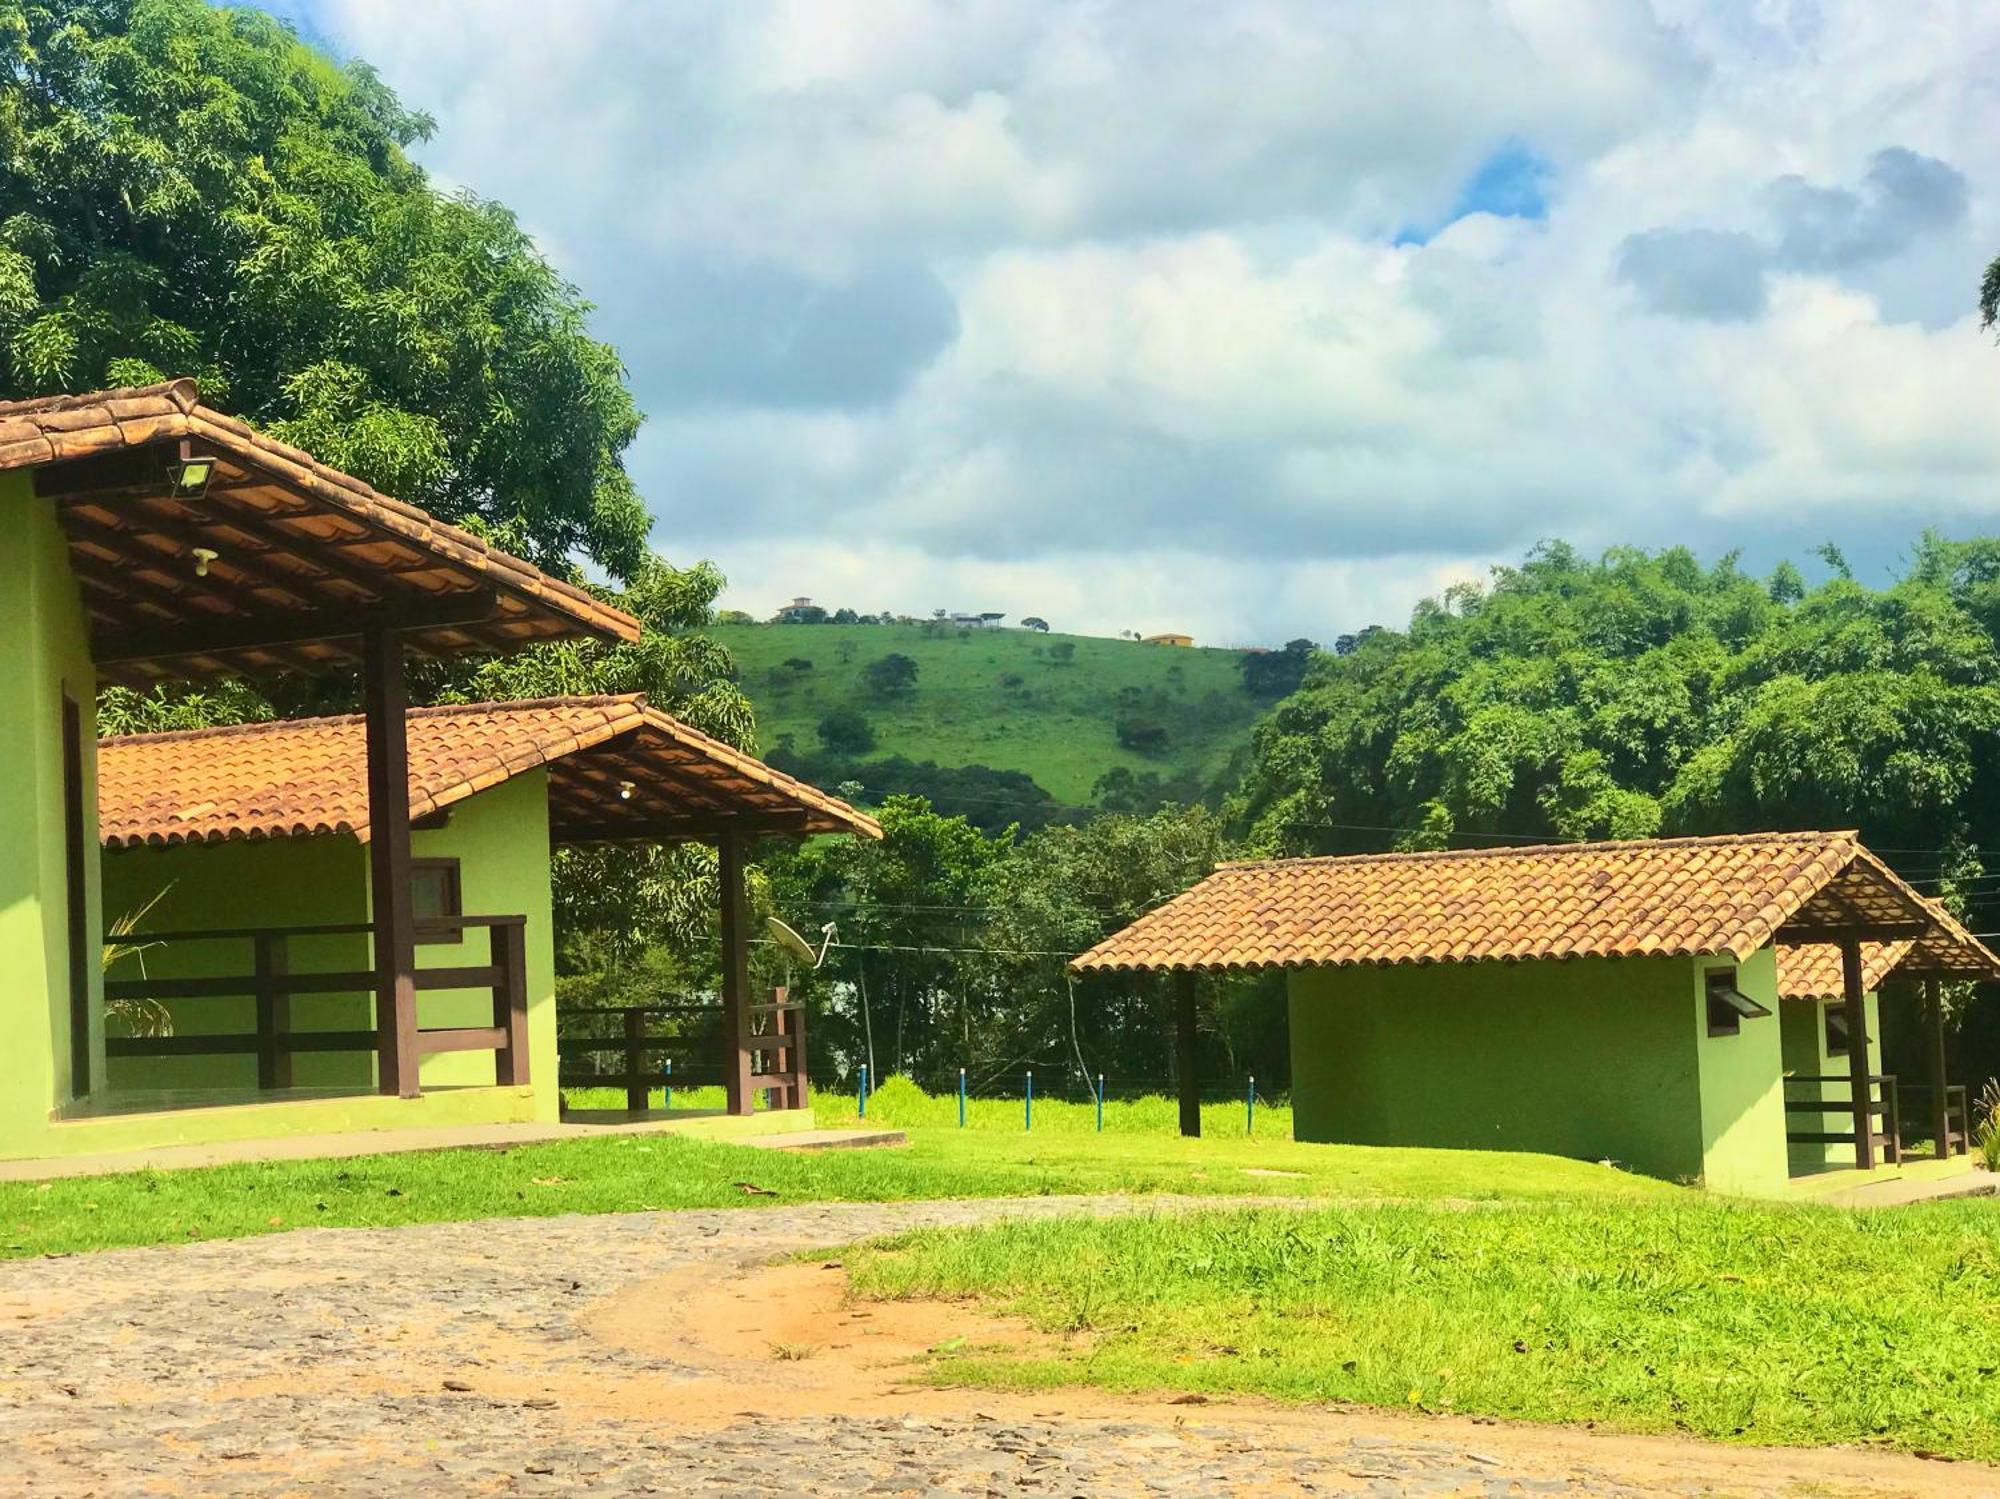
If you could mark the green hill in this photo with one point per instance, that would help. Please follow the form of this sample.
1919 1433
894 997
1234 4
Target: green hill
1049 706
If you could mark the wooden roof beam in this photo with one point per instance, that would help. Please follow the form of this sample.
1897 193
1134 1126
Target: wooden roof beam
240 633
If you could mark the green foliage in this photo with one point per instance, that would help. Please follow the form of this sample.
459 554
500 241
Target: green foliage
893 675
190 190
958 940
846 731
1645 693
1781 1325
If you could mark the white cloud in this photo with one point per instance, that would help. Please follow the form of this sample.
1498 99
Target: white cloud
1097 308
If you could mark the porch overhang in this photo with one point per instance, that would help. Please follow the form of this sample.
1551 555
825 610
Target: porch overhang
620 771
273 561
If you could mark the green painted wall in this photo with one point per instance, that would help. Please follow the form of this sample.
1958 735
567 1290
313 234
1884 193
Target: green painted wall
44 652
1591 1057
500 837
1805 1055
261 882
1742 1097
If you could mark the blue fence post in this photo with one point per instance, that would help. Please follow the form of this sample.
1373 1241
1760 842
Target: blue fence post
670 1082
1100 1103
864 1090
1250 1106
1028 1103
961 1098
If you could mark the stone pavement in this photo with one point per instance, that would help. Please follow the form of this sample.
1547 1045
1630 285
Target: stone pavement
471 1358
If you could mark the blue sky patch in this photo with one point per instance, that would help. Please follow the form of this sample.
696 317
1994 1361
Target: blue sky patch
1512 183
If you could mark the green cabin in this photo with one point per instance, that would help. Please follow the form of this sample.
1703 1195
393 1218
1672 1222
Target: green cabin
1661 1004
329 925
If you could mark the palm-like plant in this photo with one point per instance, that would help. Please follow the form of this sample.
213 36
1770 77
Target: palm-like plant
133 1017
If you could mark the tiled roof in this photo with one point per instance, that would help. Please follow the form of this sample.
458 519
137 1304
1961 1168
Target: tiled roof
1811 970
1625 899
608 758
286 536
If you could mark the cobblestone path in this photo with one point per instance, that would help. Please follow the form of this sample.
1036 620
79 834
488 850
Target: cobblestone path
477 1358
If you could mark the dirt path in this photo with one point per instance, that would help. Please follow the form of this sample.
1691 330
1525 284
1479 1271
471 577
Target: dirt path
662 1353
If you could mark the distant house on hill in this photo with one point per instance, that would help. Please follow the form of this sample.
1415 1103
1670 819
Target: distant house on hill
801 611
1167 637
977 621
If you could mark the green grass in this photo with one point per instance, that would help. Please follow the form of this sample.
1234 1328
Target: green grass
901 1104
1789 1325
625 1173
1057 726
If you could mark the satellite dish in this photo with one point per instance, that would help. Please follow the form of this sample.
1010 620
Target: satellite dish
795 946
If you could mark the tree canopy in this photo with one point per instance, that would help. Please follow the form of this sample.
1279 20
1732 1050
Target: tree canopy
188 189
1645 693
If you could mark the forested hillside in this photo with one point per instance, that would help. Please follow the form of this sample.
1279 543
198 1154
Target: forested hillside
1015 725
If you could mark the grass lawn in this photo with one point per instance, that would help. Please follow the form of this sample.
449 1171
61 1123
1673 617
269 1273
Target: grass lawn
622 1173
1788 1325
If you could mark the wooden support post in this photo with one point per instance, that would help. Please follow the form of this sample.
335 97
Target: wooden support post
1940 1099
636 1090
1857 1052
735 973
801 1088
507 947
1185 1079
272 962
385 707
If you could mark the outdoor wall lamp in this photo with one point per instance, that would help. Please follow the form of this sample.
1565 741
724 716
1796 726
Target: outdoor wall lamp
625 790
202 557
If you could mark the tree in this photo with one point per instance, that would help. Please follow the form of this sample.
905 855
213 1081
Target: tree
1646 693
1274 674
1035 622
1062 652
845 731
893 675
190 190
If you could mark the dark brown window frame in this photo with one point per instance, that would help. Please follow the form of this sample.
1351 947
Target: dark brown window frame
1834 1018
1728 1010
439 934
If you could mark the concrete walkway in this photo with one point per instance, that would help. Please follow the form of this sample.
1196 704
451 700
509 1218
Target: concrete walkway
1896 1192
704 1125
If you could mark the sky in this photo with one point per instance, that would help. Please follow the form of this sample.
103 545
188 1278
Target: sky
1250 318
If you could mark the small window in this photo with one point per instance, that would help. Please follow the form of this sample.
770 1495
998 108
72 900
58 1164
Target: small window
1836 1032
1728 1006
435 899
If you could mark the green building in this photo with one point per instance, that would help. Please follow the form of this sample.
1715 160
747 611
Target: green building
1611 1001
386 964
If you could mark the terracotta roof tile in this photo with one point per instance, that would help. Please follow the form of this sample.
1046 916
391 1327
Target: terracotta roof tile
305 776
1811 970
1669 896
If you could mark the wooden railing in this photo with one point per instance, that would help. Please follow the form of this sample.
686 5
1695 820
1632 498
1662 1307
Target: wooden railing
272 983
1953 1122
1880 1104
585 1036
694 1053
776 1040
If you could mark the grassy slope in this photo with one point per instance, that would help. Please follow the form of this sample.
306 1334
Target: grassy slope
1056 727
1791 1325
628 1173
